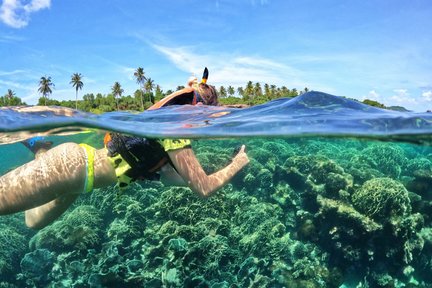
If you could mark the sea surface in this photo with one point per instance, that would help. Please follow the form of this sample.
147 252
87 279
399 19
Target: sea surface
336 194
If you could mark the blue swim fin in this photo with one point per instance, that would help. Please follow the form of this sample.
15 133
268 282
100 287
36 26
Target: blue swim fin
36 143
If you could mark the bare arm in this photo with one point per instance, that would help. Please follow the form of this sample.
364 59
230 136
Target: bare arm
193 174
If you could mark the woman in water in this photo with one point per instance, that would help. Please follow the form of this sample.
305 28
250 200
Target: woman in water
48 185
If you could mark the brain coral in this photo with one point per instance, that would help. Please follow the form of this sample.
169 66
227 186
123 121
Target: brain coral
382 197
387 159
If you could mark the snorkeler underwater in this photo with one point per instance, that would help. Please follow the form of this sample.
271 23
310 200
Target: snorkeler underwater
219 144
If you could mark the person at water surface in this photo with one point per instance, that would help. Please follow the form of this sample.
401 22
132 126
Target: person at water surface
45 187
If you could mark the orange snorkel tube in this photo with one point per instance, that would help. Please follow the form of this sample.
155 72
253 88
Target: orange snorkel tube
205 76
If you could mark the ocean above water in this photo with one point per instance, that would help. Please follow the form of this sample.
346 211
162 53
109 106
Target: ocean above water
337 194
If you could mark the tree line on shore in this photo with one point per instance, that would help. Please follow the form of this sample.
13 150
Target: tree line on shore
149 92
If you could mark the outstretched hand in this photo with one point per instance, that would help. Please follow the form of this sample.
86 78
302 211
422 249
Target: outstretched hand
241 158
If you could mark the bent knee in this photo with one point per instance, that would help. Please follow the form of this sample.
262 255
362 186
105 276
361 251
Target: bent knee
31 222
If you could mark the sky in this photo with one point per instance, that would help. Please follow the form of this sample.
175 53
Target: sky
377 49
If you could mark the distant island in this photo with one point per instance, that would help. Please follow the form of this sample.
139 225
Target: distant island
148 93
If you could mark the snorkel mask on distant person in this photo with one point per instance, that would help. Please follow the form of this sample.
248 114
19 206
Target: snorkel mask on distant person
202 93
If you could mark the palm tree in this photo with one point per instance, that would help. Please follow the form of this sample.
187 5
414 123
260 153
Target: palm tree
149 86
240 91
222 92
117 92
45 84
78 84
273 91
249 90
140 78
10 94
158 92
267 90
257 90
230 91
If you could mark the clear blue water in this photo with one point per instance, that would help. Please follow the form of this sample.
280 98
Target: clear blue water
311 114
337 194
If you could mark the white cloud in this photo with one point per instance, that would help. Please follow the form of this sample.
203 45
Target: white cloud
10 73
372 95
16 14
128 72
401 92
12 85
232 69
403 97
427 95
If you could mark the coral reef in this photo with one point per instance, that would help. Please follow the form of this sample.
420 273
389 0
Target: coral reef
387 158
382 198
77 230
13 244
36 266
307 212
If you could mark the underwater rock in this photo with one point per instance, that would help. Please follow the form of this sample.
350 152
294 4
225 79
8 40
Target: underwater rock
345 232
335 183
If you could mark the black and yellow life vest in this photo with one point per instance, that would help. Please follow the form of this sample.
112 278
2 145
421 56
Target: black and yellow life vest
134 157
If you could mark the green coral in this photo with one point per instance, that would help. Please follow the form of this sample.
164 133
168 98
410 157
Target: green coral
389 159
381 198
347 213
12 247
283 221
279 149
130 221
77 230
317 174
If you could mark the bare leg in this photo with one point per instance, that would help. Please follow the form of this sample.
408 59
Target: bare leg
41 216
57 172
